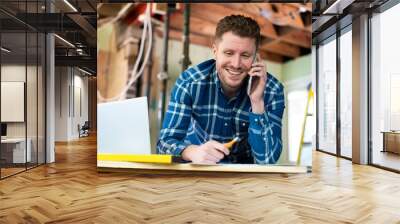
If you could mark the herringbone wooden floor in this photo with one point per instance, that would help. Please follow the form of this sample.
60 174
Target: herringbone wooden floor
72 191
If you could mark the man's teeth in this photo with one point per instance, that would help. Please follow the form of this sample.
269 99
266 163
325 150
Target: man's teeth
234 72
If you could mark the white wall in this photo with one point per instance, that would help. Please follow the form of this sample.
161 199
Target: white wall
17 73
71 94
61 103
33 127
14 73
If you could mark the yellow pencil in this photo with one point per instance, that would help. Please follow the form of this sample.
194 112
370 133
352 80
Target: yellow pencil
231 143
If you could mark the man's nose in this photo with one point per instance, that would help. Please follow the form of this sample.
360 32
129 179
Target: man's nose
235 62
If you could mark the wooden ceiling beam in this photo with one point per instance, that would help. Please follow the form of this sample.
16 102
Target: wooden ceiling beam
254 10
282 48
208 11
271 56
250 9
306 6
299 38
265 41
293 12
294 36
281 14
284 41
176 34
308 28
197 26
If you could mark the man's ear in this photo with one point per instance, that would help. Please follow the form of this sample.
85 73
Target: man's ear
214 49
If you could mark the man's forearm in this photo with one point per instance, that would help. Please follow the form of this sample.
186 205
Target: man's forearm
257 106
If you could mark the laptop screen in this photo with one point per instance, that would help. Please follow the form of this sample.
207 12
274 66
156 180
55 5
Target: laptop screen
123 127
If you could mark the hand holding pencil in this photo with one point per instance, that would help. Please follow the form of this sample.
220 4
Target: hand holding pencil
210 152
231 143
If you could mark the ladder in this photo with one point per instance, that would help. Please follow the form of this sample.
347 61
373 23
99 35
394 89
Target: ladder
306 114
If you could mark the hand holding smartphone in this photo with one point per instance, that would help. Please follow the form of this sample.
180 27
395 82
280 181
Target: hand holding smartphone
249 84
256 85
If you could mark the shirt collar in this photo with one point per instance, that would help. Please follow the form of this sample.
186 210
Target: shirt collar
216 79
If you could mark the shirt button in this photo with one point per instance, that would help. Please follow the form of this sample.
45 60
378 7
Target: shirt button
226 124
256 120
262 119
265 139
244 124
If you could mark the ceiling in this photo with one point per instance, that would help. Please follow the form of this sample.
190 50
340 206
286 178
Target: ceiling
334 15
285 27
76 24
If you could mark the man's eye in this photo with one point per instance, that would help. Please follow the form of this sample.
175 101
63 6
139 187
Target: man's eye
228 53
246 56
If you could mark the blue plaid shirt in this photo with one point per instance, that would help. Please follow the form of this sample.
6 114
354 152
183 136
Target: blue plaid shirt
198 111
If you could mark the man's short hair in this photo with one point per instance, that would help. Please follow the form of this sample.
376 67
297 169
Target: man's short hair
239 25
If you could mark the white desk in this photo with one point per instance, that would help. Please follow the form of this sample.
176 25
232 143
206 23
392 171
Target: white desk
19 149
111 166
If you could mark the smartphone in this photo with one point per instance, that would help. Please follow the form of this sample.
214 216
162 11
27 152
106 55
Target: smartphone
249 83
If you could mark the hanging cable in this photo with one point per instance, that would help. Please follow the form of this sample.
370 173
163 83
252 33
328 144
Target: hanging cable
147 30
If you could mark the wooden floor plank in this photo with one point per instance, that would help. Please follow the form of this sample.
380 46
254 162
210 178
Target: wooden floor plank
72 191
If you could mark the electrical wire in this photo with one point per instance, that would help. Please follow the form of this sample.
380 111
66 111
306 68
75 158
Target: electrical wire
147 27
135 75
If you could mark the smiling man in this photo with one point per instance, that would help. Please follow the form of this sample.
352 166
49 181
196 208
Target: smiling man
210 104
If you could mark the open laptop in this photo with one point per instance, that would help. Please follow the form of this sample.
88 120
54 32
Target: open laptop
123 127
